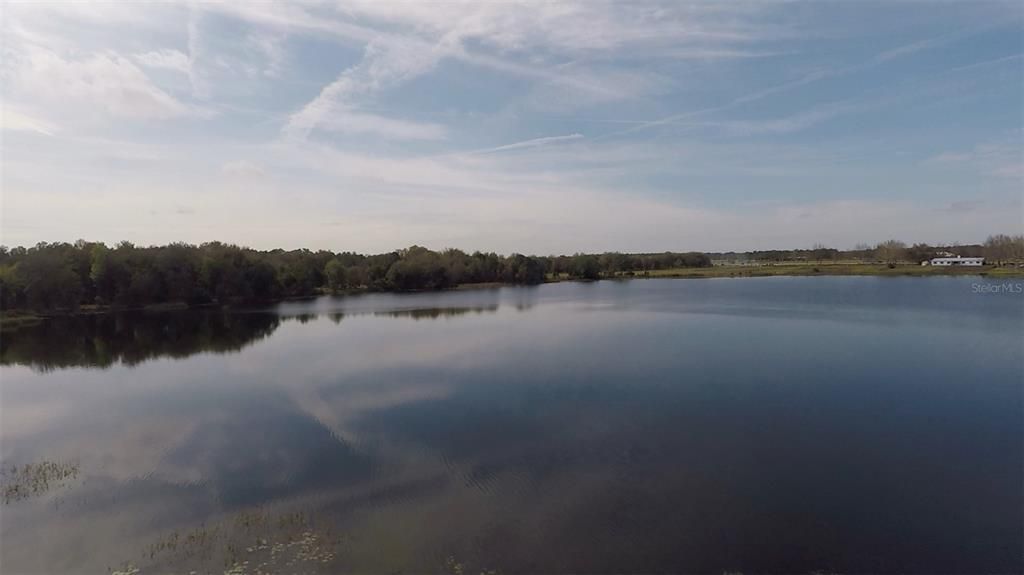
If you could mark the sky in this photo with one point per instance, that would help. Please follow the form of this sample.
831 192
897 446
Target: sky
512 127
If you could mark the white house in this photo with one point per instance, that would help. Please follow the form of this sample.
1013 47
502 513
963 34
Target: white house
957 261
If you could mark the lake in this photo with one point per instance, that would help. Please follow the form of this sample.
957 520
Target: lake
833 424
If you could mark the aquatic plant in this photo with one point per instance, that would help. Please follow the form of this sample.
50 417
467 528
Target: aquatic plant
33 479
452 566
127 568
253 542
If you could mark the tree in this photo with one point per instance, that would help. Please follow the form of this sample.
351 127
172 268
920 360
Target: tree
62 275
262 280
521 269
1017 248
457 263
1001 248
614 262
176 266
586 267
108 276
891 251
12 293
820 252
334 272
418 268
483 268
48 281
920 253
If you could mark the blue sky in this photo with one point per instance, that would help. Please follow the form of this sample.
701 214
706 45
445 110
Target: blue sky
536 127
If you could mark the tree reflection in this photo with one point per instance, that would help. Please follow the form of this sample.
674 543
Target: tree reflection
437 312
131 338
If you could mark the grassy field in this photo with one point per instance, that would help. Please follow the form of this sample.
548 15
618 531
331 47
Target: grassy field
830 269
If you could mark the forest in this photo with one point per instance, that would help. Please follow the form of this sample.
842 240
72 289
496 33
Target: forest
64 277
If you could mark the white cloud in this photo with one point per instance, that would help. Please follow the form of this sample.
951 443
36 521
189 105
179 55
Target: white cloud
840 223
1002 159
164 59
105 81
85 76
573 28
416 37
527 202
196 79
792 123
242 169
349 122
15 120
272 49
384 65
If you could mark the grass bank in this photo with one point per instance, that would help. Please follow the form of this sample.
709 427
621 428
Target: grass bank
830 269
16 318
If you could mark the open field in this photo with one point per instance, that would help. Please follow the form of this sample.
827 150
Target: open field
840 269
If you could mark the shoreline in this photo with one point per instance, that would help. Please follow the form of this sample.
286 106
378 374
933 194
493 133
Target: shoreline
831 269
19 318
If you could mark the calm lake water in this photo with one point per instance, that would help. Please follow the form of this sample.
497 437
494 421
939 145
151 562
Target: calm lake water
790 425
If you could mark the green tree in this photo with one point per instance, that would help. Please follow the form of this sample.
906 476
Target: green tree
418 268
12 294
63 275
334 272
48 280
585 266
521 269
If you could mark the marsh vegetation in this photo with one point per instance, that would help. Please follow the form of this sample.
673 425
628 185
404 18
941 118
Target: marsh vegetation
34 479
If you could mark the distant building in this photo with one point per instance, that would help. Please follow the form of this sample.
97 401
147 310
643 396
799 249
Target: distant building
957 261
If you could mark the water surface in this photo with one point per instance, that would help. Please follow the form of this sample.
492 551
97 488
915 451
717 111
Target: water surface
758 425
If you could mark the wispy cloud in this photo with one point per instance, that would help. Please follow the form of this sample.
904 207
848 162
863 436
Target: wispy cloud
437 32
929 43
1000 159
534 143
360 123
986 63
271 47
164 59
473 115
196 77
792 123
243 169
384 65
105 81
14 120
804 80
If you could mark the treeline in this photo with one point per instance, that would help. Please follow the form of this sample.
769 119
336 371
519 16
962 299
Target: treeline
63 276
998 249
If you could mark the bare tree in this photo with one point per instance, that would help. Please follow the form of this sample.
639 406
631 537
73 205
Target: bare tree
891 251
1001 248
